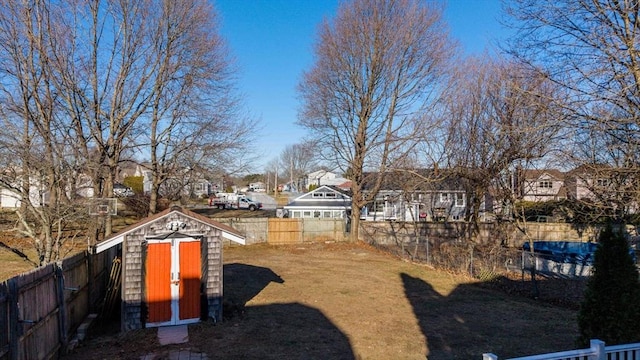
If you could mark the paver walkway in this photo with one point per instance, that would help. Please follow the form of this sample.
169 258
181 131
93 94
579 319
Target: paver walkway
174 335
175 355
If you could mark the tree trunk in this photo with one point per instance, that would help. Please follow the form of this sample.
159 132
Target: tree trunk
355 223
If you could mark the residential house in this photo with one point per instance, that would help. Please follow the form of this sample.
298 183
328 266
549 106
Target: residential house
318 178
323 177
603 184
10 196
323 202
541 185
405 196
409 196
257 186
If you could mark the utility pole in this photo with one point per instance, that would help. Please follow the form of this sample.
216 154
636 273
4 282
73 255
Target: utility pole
291 173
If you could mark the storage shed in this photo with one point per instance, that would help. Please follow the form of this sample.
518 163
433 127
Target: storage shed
171 268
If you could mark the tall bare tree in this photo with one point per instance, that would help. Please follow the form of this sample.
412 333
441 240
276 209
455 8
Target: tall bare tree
591 49
500 115
39 168
194 121
365 98
106 70
81 84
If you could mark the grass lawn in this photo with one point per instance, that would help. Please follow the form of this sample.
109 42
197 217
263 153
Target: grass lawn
350 301
11 263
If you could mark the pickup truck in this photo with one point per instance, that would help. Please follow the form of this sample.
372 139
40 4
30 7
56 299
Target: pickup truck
234 201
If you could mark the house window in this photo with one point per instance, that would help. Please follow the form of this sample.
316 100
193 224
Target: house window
318 195
545 184
316 214
326 214
330 195
459 200
445 197
602 182
199 187
306 214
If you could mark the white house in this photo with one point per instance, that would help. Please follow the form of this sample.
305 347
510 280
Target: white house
323 202
10 198
323 177
405 198
257 186
318 178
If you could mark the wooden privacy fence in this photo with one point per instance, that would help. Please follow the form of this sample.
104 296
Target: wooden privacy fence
296 231
41 309
284 231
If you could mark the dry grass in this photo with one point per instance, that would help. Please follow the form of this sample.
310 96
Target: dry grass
13 264
349 301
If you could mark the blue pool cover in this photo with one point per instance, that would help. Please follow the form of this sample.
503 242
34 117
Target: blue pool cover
566 251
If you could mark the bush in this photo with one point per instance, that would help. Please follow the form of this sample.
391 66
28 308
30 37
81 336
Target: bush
136 183
610 310
137 204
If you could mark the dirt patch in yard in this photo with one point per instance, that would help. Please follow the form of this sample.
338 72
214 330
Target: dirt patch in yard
351 301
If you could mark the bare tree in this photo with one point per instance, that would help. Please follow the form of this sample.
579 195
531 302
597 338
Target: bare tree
590 48
80 86
194 119
271 175
500 115
364 100
39 173
106 70
297 160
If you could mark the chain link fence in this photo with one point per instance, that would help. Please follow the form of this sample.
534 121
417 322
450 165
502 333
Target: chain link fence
508 269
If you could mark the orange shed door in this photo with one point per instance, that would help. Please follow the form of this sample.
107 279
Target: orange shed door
158 281
173 277
190 280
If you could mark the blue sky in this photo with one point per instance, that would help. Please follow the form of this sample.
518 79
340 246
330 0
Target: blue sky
272 42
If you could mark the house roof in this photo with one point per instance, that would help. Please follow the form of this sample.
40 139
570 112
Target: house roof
227 231
341 198
321 174
417 180
345 185
345 204
537 174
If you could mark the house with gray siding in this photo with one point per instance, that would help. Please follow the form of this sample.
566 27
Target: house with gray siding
418 195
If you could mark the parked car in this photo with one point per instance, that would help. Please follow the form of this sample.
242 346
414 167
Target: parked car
120 190
234 201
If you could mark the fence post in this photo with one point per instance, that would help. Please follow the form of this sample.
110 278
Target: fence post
489 356
90 305
62 308
13 318
597 346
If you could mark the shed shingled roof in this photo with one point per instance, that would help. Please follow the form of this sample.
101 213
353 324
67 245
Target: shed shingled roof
118 237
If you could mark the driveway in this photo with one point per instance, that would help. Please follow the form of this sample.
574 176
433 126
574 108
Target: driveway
268 203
